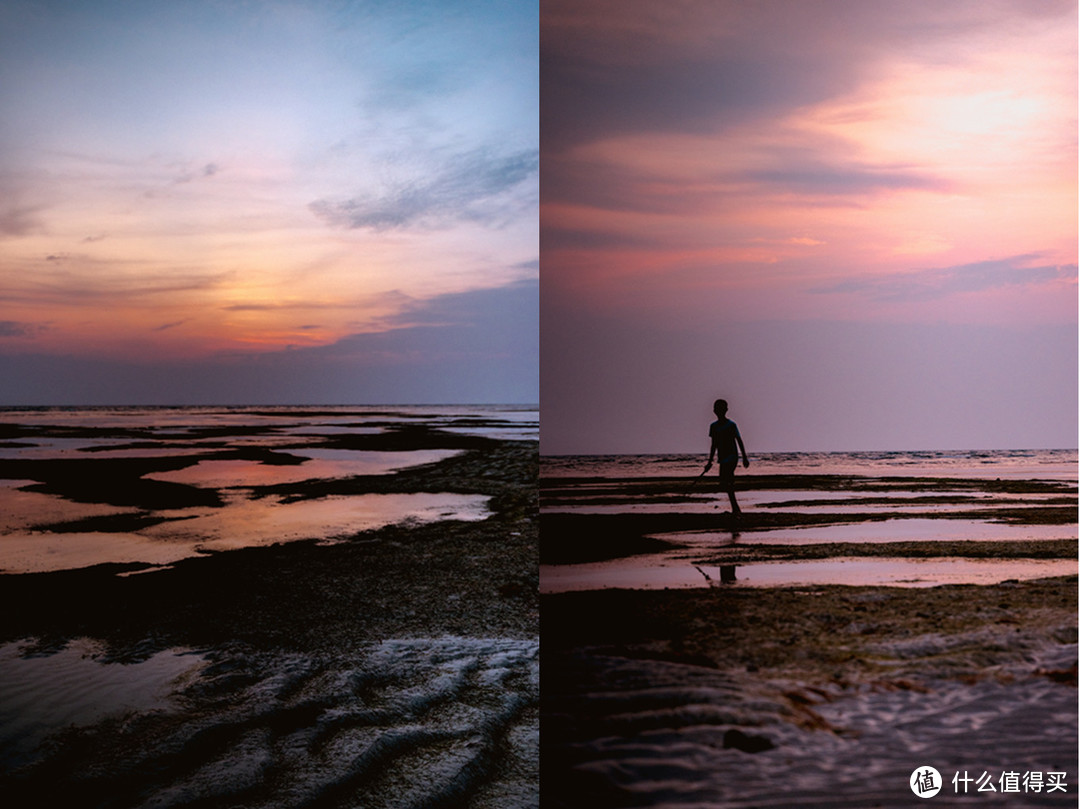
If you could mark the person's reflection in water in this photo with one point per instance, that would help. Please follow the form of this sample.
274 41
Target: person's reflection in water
725 446
727 575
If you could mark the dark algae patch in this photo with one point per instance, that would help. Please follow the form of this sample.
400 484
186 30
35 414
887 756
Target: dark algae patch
967 549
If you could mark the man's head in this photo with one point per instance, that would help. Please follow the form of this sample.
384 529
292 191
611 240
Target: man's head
720 407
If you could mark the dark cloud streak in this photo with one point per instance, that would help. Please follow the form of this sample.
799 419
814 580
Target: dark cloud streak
20 220
455 192
472 347
66 282
854 179
13 328
941 282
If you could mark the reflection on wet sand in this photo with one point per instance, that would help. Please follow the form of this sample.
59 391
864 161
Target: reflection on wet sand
240 523
318 464
650 574
41 695
243 522
157 485
644 532
21 510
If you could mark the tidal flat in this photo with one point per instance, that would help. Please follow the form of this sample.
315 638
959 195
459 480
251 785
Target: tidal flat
843 632
390 663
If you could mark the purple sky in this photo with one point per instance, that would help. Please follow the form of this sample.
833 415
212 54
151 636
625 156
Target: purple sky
299 201
856 221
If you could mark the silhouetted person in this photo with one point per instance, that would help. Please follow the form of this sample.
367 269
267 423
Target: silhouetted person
726 446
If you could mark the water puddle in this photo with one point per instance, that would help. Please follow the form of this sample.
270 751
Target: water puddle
267 521
319 430
20 510
42 695
435 711
240 523
508 432
42 552
49 447
205 440
834 502
323 464
652 574
893 530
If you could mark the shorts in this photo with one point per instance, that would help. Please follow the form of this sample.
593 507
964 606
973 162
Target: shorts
727 473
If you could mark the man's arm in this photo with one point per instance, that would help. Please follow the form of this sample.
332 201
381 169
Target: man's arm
738 438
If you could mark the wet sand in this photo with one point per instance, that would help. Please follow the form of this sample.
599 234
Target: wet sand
397 666
814 694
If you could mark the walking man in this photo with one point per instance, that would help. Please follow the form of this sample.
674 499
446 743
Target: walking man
726 444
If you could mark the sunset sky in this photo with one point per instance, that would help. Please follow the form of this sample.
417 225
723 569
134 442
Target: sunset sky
855 220
219 201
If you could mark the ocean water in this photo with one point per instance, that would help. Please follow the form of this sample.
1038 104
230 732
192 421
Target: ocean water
1037 464
498 421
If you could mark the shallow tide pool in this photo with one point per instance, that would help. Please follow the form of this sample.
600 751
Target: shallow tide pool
242 522
651 574
40 695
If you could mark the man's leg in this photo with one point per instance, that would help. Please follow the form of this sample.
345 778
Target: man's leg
727 484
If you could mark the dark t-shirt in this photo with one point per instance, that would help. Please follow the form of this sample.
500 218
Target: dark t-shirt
723 435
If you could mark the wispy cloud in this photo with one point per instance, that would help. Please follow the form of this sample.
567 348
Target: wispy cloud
13 328
490 330
173 325
457 191
390 300
80 281
940 282
845 179
187 176
260 174
19 220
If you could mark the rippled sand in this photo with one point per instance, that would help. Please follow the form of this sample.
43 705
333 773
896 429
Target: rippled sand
404 722
656 733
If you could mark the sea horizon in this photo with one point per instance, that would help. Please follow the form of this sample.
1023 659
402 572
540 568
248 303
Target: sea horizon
251 405
1058 464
